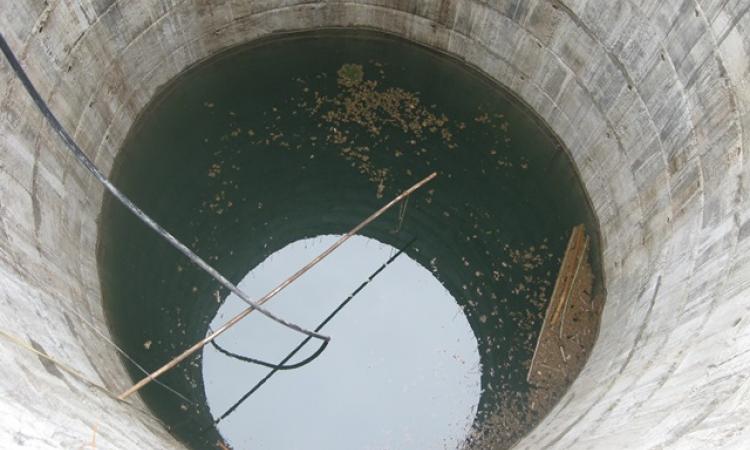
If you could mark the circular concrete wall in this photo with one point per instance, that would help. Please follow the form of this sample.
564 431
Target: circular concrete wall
650 97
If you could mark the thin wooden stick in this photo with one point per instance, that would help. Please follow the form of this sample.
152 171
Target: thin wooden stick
21 343
564 362
200 344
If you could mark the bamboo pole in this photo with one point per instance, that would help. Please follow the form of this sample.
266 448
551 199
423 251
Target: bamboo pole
200 344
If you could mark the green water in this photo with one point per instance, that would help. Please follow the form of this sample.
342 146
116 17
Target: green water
304 136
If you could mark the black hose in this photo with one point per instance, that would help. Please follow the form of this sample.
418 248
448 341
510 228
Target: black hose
86 162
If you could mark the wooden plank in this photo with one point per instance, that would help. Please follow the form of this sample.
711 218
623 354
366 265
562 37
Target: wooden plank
581 259
575 254
568 269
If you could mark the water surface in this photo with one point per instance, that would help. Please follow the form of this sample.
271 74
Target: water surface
268 149
402 372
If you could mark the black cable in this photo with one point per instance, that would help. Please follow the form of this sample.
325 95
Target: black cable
142 216
281 366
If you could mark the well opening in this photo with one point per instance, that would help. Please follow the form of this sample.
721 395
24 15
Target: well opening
303 135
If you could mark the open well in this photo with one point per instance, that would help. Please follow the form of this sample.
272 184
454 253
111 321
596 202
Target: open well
256 156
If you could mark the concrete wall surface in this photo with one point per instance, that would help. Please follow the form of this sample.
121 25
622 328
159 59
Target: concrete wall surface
651 97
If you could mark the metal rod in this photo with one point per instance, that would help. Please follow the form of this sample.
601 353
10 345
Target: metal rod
200 344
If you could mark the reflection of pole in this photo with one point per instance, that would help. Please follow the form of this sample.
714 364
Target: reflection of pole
281 365
200 344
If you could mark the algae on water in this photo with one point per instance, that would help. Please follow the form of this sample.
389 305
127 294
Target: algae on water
350 75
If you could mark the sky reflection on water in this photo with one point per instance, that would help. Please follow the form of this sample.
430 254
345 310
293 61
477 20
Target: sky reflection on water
402 370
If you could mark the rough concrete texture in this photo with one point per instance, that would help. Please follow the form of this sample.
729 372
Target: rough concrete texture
651 97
